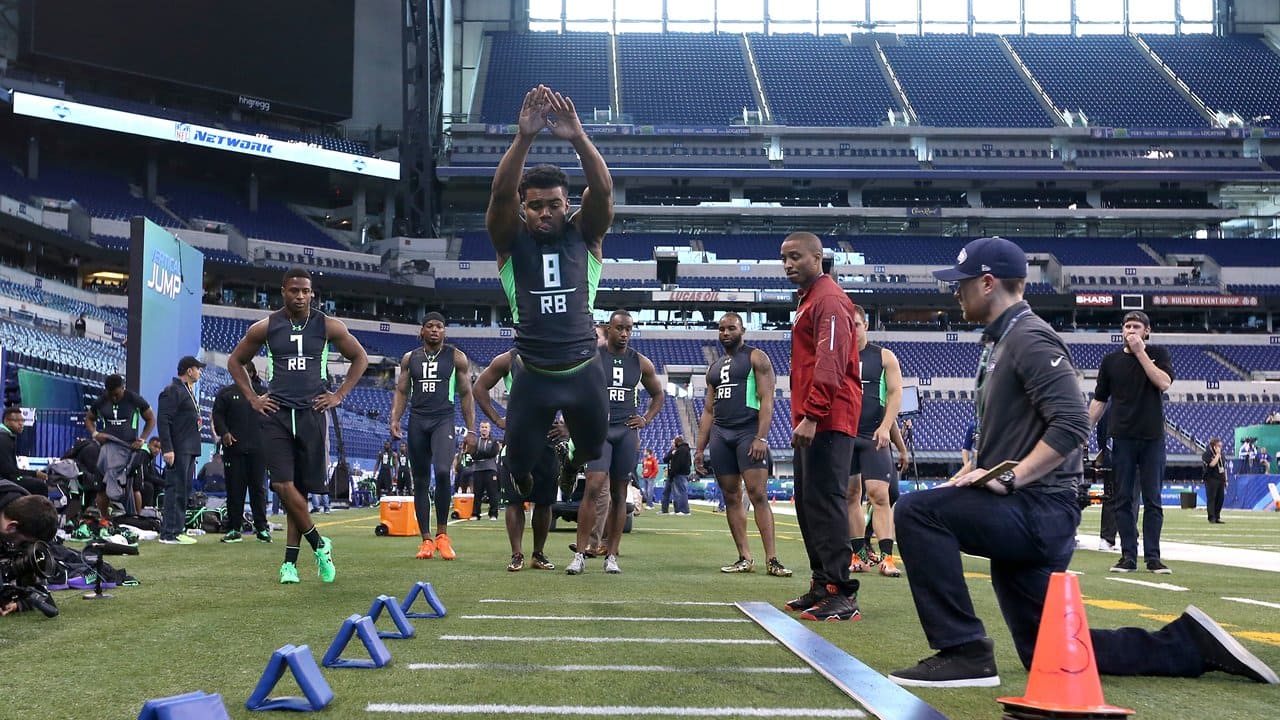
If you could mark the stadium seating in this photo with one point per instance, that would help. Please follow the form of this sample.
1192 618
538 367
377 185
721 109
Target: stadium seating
842 85
272 221
101 193
683 79
962 81
575 64
54 301
1108 78
1236 74
61 354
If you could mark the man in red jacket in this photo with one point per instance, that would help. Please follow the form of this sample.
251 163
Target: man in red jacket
826 400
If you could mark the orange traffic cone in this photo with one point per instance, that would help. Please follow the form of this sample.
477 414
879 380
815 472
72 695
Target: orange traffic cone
1064 676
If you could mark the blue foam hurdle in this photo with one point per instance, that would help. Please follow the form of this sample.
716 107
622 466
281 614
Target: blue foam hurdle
191 706
425 590
403 629
299 661
361 625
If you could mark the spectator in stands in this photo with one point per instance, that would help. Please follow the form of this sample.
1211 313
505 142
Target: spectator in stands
627 370
80 326
434 379
735 425
1215 479
549 262
235 424
679 465
1264 461
826 401
872 467
1134 379
118 409
648 476
33 482
178 421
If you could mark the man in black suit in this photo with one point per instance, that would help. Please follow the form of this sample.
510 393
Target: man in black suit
179 424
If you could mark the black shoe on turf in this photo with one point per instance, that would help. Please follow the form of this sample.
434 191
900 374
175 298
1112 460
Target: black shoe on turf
1220 651
1158 567
953 668
1125 564
817 591
833 607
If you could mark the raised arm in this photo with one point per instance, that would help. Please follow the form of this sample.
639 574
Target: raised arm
462 366
596 214
400 399
351 349
503 216
765 383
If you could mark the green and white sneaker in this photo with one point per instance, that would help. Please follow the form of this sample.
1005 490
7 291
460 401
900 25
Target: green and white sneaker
289 574
264 536
324 561
232 537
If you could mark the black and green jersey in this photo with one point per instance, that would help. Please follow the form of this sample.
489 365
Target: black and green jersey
297 358
551 287
732 382
874 389
433 382
622 375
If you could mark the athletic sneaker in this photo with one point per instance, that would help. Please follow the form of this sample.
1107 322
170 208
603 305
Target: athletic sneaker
817 591
577 566
540 562
1220 651
289 574
324 561
517 562
872 557
967 666
1104 546
82 533
179 540
776 568
232 537
611 565
264 536
445 547
860 563
1124 565
1158 567
834 606
744 565
426 550
888 567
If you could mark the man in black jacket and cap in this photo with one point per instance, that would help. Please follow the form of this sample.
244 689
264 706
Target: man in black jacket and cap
178 420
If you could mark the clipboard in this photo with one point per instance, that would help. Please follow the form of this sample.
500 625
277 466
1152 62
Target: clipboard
994 473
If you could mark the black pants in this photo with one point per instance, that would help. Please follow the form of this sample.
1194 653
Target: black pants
1108 531
1215 487
177 487
431 450
246 471
1139 468
536 395
822 479
485 483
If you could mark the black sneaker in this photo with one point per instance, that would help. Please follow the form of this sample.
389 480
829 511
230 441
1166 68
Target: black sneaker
540 562
816 592
1125 564
953 668
1220 651
834 607
517 562
1158 567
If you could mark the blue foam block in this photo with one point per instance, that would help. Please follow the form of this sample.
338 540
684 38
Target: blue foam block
299 661
361 625
403 629
424 590
190 706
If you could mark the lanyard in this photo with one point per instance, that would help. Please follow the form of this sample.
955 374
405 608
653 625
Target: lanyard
988 350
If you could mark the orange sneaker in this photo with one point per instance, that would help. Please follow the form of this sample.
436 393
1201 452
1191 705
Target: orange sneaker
888 567
426 550
445 547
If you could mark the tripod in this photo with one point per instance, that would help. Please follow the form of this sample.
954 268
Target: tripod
103 548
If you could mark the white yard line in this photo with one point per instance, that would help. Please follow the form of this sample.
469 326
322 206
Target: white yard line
612 710
572 638
1144 583
610 618
1248 601
518 668
606 602
1173 552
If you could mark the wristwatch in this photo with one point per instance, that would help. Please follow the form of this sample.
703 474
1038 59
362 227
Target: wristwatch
1006 479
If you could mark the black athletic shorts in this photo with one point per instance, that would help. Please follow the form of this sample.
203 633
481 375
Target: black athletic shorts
546 471
729 448
619 454
579 394
870 463
296 445
431 442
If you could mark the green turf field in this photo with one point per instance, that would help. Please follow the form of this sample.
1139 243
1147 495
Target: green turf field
207 617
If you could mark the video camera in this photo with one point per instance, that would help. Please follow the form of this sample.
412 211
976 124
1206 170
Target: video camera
23 571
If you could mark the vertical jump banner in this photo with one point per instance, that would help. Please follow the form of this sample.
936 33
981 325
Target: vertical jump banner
166 287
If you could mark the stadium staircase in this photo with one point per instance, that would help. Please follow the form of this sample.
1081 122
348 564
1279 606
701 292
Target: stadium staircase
688 419
1032 84
1178 84
1152 252
892 78
757 85
1176 431
1243 373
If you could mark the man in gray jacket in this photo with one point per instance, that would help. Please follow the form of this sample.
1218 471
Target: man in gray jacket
178 421
1032 416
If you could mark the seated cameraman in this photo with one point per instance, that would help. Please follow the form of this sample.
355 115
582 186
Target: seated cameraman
32 482
24 518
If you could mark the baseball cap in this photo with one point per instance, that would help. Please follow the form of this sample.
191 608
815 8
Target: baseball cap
187 362
997 256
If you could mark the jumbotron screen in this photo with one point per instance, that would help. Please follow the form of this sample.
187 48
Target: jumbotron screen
297 54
